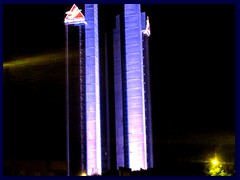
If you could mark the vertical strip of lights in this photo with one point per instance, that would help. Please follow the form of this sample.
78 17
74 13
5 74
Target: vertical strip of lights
118 94
67 104
82 101
135 87
92 90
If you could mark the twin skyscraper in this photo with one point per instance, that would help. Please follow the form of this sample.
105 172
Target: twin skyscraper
87 148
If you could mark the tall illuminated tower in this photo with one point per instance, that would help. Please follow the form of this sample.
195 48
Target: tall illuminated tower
83 92
132 90
92 91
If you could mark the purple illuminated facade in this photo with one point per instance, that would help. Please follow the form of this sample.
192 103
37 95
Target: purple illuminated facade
93 124
132 90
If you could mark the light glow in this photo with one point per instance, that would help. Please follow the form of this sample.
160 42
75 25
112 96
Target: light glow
83 174
215 162
34 60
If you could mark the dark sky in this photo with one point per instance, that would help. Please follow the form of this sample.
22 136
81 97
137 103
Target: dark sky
192 78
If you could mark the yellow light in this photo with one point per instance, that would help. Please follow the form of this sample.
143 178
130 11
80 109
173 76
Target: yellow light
35 60
42 59
83 174
215 161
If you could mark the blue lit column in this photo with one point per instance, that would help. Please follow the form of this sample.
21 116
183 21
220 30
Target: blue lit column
118 94
92 90
135 87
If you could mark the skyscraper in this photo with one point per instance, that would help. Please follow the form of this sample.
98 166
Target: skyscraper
83 94
132 93
132 90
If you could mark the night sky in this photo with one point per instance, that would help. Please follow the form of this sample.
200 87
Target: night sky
192 80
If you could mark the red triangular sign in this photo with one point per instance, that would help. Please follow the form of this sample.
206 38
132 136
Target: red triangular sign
74 13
